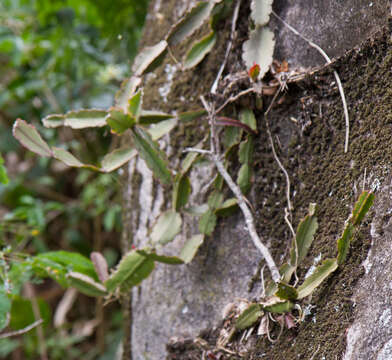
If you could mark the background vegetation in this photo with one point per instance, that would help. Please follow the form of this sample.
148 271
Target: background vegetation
57 55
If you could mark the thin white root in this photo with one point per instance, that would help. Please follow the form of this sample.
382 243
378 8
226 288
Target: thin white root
337 78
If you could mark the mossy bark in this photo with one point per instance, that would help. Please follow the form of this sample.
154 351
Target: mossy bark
307 123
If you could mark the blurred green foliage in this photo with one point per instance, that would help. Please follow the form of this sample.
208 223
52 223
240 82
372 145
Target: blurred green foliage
58 55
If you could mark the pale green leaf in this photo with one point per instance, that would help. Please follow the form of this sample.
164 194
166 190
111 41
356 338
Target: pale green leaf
162 128
189 160
80 119
152 155
85 284
5 307
166 228
191 115
53 120
197 210
199 50
286 292
181 191
259 49
244 178
29 137
190 248
149 58
327 267
231 137
279 307
249 317
3 172
361 207
119 121
117 158
207 222
248 118
66 157
229 207
246 151
261 11
192 20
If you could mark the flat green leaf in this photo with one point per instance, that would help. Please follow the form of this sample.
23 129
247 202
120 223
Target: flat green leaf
344 243
189 160
119 121
5 307
199 50
286 271
232 136
29 137
259 50
127 89
229 207
279 307
361 207
53 120
22 313
286 292
169 260
152 155
149 58
248 118
261 11
245 152
207 222
320 274
162 128
3 172
197 210
85 284
244 178
117 158
131 270
249 317
191 115
135 105
152 117
181 191
81 119
304 237
66 157
166 228
215 200
192 20
190 248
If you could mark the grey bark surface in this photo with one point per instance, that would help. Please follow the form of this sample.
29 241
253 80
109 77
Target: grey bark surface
181 301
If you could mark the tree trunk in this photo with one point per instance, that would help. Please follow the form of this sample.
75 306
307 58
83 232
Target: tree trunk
349 315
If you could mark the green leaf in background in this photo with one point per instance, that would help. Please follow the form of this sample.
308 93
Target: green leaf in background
119 121
344 242
160 129
5 307
77 119
3 172
152 117
362 206
327 267
29 137
192 20
231 137
131 270
199 50
207 222
85 284
190 248
244 178
135 105
22 313
248 117
304 237
166 228
181 191
215 200
169 260
249 317
149 58
246 151
286 292
117 158
152 155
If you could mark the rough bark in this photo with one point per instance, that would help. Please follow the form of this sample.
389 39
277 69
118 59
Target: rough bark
350 313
